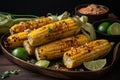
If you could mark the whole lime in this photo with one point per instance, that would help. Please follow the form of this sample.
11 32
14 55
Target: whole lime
103 27
21 53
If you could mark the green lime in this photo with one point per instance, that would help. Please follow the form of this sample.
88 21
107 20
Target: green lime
21 53
114 29
103 27
95 65
43 63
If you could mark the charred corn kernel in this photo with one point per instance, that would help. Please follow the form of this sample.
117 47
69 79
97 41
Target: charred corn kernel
55 50
30 49
90 51
33 24
16 40
53 31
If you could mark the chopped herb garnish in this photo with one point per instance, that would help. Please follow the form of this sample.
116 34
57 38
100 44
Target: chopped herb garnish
9 72
50 30
14 72
5 74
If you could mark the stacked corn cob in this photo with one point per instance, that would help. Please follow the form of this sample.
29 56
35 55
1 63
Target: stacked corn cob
55 50
90 51
60 29
51 32
16 40
56 47
34 24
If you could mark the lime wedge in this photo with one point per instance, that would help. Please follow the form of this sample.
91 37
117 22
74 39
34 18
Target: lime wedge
95 65
43 63
114 29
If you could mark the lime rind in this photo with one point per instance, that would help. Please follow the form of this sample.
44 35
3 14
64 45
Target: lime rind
95 65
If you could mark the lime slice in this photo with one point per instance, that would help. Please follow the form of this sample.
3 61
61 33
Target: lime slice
114 29
43 63
103 27
95 65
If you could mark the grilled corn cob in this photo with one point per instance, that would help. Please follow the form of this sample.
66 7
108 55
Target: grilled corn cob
16 40
53 31
90 51
33 24
30 49
56 49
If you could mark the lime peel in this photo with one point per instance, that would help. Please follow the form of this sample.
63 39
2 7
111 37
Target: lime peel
95 64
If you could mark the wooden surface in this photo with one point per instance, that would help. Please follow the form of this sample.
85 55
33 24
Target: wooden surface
6 64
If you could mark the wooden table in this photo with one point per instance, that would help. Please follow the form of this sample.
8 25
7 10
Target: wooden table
6 64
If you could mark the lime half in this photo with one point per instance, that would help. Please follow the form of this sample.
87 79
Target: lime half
114 29
95 65
43 63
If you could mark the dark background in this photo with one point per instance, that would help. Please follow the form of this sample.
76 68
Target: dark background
42 7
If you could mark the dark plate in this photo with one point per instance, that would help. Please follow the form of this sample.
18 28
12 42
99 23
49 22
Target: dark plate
114 38
112 57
